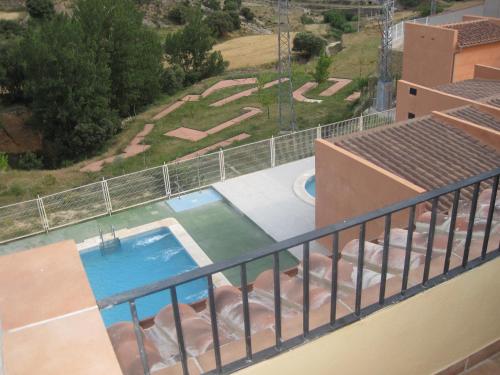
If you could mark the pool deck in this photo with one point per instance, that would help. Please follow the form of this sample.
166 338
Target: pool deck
268 199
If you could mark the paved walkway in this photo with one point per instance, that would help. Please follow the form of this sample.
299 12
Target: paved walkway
268 199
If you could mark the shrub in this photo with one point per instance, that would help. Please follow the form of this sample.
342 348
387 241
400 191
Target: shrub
29 161
335 18
308 44
10 29
247 13
425 9
321 70
212 4
306 20
178 14
172 79
4 162
231 5
235 17
220 23
40 9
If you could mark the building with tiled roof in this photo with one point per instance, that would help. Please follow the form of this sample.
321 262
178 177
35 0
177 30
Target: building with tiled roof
440 54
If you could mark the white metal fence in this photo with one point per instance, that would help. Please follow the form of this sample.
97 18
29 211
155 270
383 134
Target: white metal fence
119 193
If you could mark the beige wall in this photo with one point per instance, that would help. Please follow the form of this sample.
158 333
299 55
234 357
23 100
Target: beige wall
348 186
467 58
426 101
428 54
418 336
487 72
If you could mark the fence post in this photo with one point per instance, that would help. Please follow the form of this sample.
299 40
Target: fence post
273 152
318 132
222 166
166 180
107 199
361 126
43 214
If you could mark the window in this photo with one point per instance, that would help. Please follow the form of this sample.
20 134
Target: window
411 115
413 91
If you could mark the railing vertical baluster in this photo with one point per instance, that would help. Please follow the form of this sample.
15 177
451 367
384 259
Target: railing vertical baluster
213 323
166 180
246 312
470 226
385 259
222 165
305 290
430 240
451 233
334 283
138 335
409 240
272 151
491 211
277 298
178 329
359 278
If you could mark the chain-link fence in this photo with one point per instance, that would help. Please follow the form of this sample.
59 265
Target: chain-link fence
172 179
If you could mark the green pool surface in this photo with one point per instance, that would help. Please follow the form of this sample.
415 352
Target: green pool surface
220 230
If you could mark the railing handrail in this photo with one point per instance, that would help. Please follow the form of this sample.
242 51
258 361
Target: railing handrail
289 243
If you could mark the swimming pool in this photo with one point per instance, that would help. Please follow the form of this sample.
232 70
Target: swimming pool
311 186
140 260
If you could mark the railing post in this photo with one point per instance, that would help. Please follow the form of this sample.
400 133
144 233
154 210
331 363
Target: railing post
166 180
273 152
361 122
43 214
222 166
318 132
107 199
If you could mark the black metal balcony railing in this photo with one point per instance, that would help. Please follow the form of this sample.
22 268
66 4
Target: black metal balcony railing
490 179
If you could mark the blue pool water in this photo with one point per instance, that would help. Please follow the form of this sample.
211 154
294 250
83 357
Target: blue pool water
141 260
194 200
311 186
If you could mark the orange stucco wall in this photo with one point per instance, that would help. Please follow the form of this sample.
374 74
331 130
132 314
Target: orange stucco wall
349 186
486 72
467 58
426 101
428 54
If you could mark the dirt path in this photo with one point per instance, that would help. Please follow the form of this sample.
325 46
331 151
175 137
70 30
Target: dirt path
194 135
299 93
225 143
339 84
135 147
243 94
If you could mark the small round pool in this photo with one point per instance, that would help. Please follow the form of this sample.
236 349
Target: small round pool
311 186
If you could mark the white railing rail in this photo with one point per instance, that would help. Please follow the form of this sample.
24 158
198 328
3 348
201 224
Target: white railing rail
170 179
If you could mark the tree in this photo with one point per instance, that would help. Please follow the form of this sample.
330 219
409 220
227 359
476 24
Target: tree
178 14
12 72
172 79
40 9
190 48
114 30
247 13
308 44
70 89
232 5
321 70
220 23
212 4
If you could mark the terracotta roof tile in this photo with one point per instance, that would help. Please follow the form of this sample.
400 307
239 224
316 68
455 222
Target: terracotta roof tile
425 152
494 102
476 116
472 88
476 32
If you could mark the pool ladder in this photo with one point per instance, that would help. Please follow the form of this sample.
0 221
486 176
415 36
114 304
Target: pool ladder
107 246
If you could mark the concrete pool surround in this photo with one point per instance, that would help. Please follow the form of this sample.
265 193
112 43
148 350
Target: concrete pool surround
299 187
